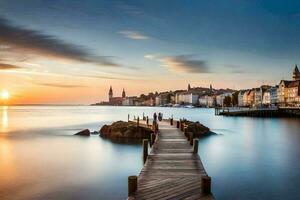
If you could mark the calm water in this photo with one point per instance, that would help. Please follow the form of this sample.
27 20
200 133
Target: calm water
40 159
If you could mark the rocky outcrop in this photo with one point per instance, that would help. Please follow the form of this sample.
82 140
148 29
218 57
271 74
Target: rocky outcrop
85 132
197 129
121 129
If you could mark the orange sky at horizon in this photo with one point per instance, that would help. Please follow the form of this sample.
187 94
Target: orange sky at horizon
22 92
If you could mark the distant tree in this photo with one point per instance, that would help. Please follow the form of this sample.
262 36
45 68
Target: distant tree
234 99
227 101
143 97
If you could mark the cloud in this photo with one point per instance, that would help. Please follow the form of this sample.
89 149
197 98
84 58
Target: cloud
234 69
181 63
150 56
133 35
107 77
4 66
60 85
32 42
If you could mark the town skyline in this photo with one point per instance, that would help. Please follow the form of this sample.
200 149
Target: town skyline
61 53
285 93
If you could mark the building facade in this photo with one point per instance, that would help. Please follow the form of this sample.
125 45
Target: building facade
220 99
207 101
186 98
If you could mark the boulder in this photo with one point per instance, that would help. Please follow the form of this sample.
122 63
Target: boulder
197 128
121 129
85 132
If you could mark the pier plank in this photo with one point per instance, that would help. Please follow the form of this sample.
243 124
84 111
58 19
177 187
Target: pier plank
172 170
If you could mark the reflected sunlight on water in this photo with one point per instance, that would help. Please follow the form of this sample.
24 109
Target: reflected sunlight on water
4 121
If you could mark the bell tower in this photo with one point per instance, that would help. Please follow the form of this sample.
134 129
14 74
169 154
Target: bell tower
123 94
189 87
110 93
296 73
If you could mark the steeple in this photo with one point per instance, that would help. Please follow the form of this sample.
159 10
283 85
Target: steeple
189 87
296 73
110 93
211 89
123 94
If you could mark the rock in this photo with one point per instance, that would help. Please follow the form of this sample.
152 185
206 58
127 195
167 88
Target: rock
85 132
121 129
197 128
95 133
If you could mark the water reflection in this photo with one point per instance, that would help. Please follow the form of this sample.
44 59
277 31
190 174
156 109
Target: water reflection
245 152
4 121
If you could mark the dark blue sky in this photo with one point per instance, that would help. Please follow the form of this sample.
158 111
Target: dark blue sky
233 43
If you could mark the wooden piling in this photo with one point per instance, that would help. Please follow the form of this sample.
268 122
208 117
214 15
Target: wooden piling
191 135
147 121
145 150
132 185
178 124
195 145
206 184
188 136
171 121
138 121
152 139
185 132
182 126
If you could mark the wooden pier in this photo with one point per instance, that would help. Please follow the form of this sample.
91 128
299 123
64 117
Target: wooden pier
259 112
172 170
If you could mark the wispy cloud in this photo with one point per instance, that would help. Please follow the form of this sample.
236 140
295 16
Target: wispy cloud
181 63
135 35
32 42
234 69
109 77
60 85
151 56
4 66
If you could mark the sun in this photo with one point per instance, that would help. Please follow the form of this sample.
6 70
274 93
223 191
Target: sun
5 94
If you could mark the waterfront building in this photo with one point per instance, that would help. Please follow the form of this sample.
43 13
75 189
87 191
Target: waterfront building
241 99
293 96
288 91
220 98
207 101
186 98
257 97
273 95
266 101
128 101
282 92
245 98
163 99
149 102
250 98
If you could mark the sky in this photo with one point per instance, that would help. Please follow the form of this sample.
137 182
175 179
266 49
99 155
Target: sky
71 52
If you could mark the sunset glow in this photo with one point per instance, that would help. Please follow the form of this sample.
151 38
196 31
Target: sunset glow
5 95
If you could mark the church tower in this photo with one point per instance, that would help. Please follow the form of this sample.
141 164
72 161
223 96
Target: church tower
296 73
211 88
189 87
123 94
110 93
